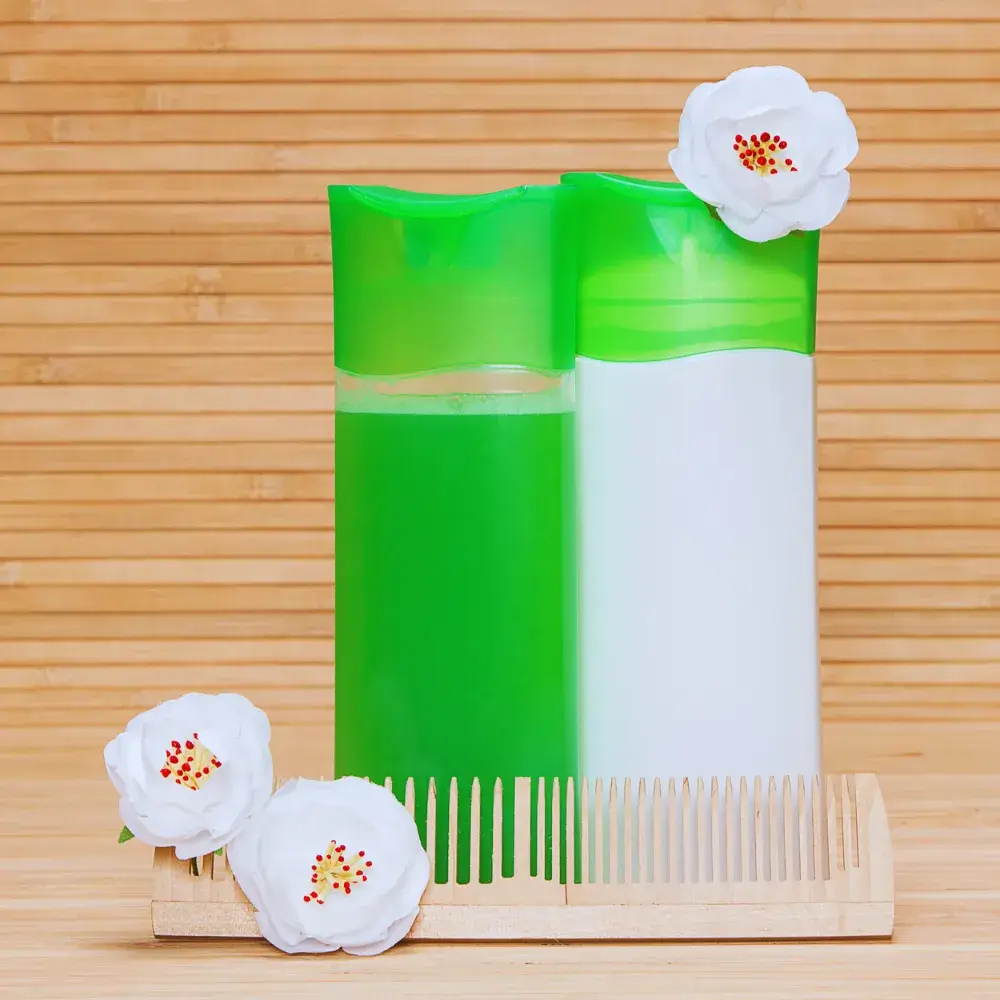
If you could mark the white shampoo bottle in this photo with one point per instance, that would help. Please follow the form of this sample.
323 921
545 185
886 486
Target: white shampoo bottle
696 490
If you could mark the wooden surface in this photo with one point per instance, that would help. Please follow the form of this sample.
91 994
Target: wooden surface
75 914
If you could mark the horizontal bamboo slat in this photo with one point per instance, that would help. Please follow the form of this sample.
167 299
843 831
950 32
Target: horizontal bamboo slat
293 32
403 12
166 471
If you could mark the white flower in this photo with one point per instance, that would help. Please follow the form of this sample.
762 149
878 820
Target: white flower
767 151
191 771
332 864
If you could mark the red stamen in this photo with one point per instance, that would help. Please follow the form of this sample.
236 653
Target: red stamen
765 136
189 744
368 864
788 163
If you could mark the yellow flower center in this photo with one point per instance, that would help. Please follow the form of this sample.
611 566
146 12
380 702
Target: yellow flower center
764 154
189 763
336 871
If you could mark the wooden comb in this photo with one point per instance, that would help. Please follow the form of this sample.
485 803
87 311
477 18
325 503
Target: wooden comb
659 860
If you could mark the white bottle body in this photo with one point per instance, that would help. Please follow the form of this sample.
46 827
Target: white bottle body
698 604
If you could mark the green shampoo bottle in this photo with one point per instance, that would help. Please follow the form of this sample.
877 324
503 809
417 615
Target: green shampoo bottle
454 344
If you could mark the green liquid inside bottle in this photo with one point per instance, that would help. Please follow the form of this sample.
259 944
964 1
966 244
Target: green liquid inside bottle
455 333
456 607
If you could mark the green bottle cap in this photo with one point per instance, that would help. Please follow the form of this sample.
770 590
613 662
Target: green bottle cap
427 283
661 276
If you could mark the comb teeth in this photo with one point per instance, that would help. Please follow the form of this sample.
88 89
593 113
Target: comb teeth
633 859
717 830
661 831
671 830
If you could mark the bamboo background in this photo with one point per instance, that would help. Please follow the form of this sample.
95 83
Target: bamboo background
166 468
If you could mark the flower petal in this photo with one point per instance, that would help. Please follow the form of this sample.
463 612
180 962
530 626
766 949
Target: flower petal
199 846
272 857
193 820
406 893
830 114
754 89
698 184
292 946
242 853
744 191
819 207
396 932
138 826
805 189
691 116
123 760
759 230
807 147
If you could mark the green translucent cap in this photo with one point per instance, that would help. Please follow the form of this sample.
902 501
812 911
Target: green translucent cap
662 277
426 282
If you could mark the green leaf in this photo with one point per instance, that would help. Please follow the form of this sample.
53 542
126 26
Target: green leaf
219 851
125 836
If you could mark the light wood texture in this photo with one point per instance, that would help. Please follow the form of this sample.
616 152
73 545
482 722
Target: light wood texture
75 907
166 475
837 886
